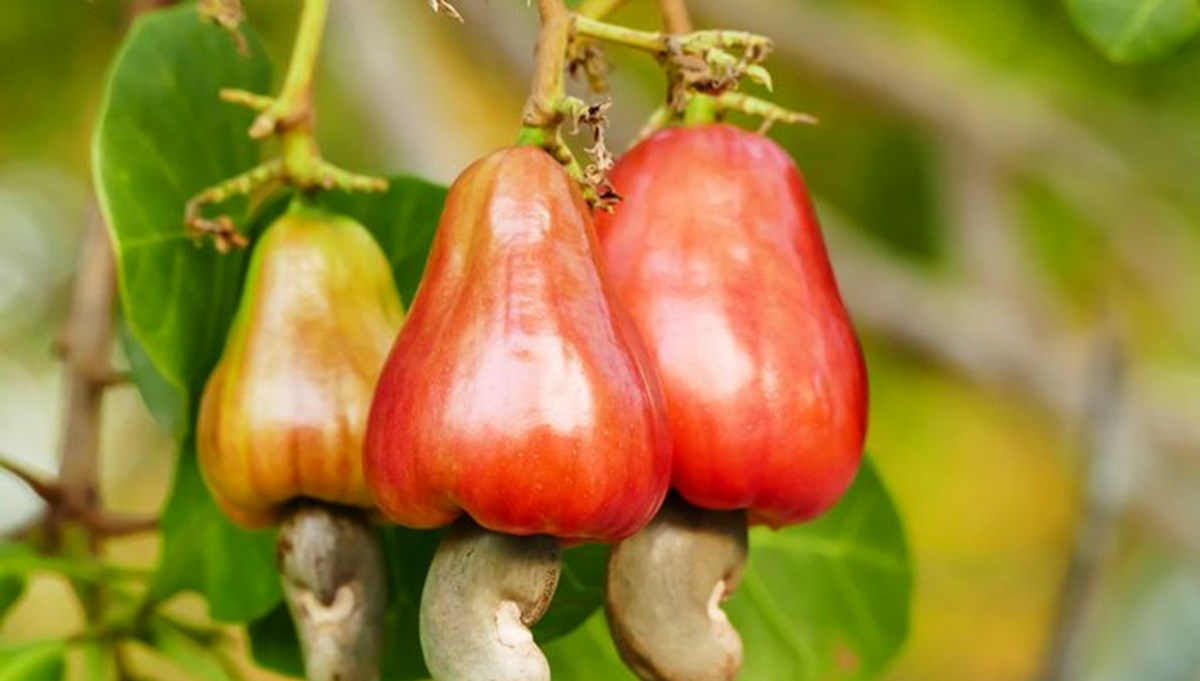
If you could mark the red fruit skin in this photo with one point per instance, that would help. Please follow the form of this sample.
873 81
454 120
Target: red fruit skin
717 253
517 391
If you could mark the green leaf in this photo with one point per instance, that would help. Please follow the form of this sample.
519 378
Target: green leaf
408 554
163 135
274 644
580 592
402 219
588 655
205 552
12 575
185 649
826 600
41 661
829 599
1136 30
163 400
12 587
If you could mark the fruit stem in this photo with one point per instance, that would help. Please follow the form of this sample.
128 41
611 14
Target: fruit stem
549 106
543 110
700 110
290 117
647 41
296 96
660 43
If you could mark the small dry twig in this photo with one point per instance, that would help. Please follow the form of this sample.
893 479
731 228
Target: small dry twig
444 7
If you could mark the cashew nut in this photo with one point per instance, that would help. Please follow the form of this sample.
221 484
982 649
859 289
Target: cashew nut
334 582
665 588
483 592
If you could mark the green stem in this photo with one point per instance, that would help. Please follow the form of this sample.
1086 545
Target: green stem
647 41
294 117
299 153
291 118
659 43
700 110
297 85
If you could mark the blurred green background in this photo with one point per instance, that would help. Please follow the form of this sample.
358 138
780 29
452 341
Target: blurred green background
1014 219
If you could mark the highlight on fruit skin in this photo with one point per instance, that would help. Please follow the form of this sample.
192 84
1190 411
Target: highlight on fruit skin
518 392
283 414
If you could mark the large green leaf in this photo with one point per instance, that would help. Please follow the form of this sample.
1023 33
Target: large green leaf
588 655
1136 30
162 136
205 552
41 661
12 582
165 402
273 643
402 219
829 599
12 587
826 600
580 592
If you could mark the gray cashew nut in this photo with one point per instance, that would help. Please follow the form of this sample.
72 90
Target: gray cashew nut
665 588
335 586
483 592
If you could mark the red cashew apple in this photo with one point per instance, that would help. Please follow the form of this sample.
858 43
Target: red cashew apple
518 394
717 253
518 391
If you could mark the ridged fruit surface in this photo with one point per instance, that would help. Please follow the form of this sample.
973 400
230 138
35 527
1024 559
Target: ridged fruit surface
284 411
717 253
518 391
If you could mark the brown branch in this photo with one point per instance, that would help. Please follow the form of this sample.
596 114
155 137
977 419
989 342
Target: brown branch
113 525
40 486
87 352
675 16
1107 485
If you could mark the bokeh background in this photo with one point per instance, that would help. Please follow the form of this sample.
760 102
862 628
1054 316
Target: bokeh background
1014 219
